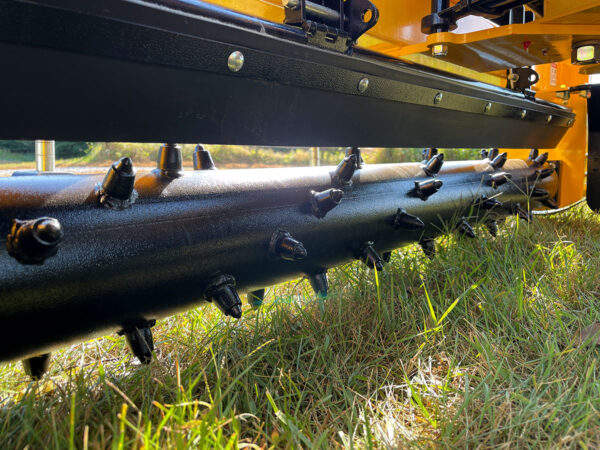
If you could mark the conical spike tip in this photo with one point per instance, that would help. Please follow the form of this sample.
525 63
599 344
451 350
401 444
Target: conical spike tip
406 221
465 229
428 246
343 173
433 166
492 227
499 161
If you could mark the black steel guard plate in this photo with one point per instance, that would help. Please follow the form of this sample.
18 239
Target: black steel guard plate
124 70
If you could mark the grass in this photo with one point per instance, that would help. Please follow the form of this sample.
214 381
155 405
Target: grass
474 349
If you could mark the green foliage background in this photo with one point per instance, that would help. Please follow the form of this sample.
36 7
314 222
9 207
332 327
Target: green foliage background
228 156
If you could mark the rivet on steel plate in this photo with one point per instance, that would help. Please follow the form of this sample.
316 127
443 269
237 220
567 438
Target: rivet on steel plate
235 61
363 85
523 113
438 98
549 118
488 106
570 122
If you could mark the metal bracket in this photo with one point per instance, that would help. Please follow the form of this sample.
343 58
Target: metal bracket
335 25
521 79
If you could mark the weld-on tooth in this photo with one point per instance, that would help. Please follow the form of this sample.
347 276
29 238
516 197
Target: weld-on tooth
360 162
170 162
544 173
323 202
549 202
387 257
539 193
487 203
498 179
370 257
484 154
429 153
203 159
433 165
284 246
492 227
221 290
34 241
534 153
256 298
522 213
499 161
493 153
140 340
428 246
342 175
465 229
116 191
319 283
540 160
119 180
425 189
406 221
37 366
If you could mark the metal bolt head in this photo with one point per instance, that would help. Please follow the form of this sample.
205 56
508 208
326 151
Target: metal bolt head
549 118
570 122
438 98
235 61
487 107
523 113
439 50
363 84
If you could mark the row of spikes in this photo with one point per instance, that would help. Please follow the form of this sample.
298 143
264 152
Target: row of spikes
117 192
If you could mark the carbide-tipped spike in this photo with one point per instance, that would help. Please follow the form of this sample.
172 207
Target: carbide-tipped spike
284 246
498 179
222 291
342 175
36 366
33 241
499 161
140 341
429 153
170 162
323 202
492 227
522 213
203 159
117 191
319 283
549 202
544 173
540 160
488 203
425 189
370 256
406 221
539 193
484 154
356 151
465 229
433 165
428 246
493 153
533 154
256 298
